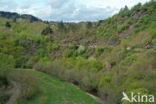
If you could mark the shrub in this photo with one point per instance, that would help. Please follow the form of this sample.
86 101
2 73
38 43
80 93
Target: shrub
52 47
6 63
41 52
68 53
128 13
123 27
99 51
4 98
81 50
149 40
74 46
21 62
86 31
27 83
129 60
104 80
47 31
136 7
98 23
8 25
32 61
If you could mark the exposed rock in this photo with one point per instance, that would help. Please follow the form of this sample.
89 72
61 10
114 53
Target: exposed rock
108 65
148 46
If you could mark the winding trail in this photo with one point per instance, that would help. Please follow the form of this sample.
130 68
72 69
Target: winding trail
96 98
15 91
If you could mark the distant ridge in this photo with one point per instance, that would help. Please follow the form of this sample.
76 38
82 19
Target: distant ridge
13 15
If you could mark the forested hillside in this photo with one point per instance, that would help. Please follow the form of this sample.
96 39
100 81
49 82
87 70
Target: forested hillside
103 58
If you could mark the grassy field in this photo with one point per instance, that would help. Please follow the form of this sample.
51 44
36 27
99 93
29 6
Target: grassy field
55 91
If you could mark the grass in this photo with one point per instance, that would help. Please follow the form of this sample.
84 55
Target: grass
55 91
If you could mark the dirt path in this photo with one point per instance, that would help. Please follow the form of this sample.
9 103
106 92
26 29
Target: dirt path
15 91
96 98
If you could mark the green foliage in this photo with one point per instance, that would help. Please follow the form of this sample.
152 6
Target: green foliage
68 53
7 63
149 40
129 60
27 82
89 25
4 98
136 7
47 31
8 47
21 62
104 80
8 25
107 57
41 52
123 27
25 17
97 24
128 13
74 46
51 88
86 31
99 51
52 47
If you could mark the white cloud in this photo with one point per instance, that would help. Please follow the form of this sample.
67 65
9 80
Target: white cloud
116 3
67 10
7 5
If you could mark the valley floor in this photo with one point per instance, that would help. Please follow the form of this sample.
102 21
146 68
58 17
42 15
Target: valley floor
54 91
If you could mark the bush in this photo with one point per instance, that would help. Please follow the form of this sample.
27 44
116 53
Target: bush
104 80
4 98
128 13
123 27
68 53
28 83
129 60
21 62
47 31
98 24
74 46
6 63
8 25
136 7
99 51
41 52
149 40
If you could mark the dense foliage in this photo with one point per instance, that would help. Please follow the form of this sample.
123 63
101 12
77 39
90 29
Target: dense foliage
104 58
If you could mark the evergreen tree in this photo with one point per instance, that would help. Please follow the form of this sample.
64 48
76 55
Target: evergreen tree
8 25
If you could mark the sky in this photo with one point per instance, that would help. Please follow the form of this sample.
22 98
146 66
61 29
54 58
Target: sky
68 10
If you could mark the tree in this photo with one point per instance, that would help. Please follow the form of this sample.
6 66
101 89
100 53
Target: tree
89 24
124 9
47 31
8 25
6 63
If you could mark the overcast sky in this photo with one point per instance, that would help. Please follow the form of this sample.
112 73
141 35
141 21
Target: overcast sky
67 10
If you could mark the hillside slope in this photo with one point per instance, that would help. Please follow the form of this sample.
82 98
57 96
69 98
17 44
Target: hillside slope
104 58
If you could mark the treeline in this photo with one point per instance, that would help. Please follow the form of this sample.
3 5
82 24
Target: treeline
15 16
